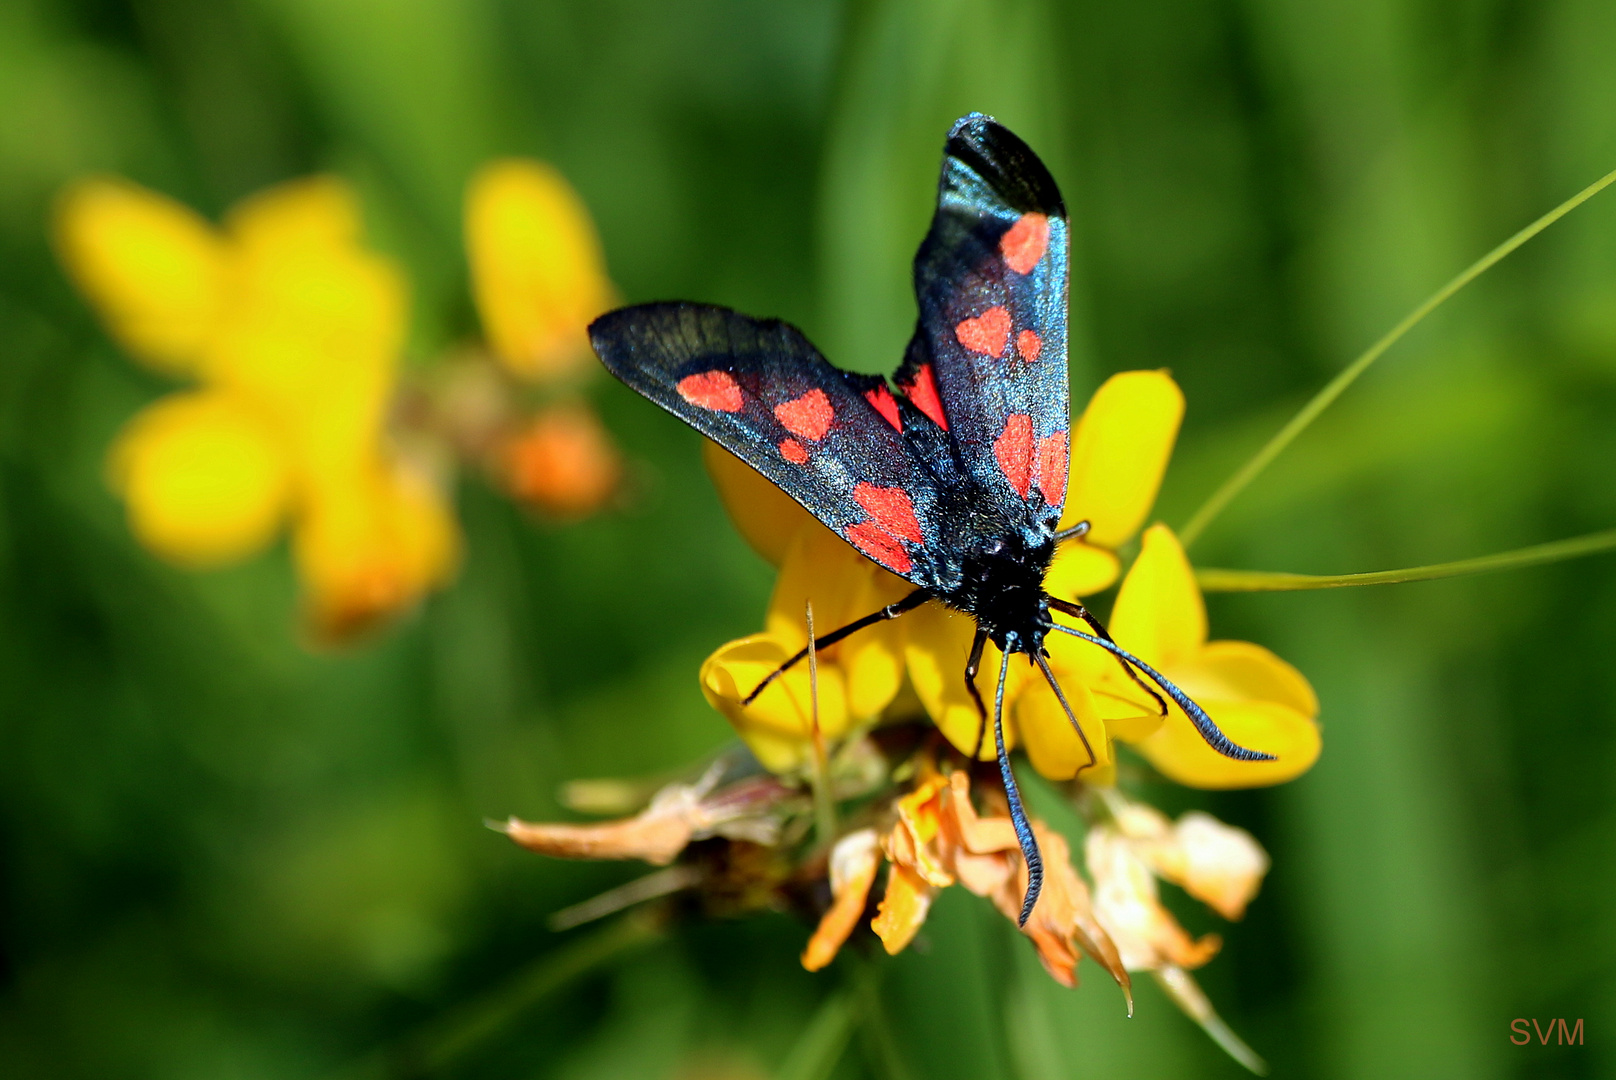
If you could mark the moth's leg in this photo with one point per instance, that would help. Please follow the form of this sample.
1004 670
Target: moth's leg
1043 665
1018 816
891 611
1078 611
1080 529
972 666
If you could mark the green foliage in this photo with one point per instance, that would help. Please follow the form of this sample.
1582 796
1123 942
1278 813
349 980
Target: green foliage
226 856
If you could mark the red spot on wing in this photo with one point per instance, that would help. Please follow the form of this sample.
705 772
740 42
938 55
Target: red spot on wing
1052 468
715 390
1029 345
793 451
923 393
987 334
885 404
879 545
890 508
1013 451
1025 242
808 416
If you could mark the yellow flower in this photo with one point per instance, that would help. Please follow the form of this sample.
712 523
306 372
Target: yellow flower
538 273
1120 450
538 276
1255 698
854 860
291 331
1126 903
857 678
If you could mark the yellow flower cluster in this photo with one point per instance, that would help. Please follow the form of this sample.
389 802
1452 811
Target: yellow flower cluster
290 332
1120 450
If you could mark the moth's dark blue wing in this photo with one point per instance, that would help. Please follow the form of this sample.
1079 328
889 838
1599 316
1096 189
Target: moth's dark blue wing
757 387
988 359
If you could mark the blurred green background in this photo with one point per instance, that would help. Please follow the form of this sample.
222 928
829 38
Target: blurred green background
226 856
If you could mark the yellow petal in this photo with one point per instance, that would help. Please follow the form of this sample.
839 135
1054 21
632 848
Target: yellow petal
423 528
1130 726
371 548
1126 710
1239 670
537 269
1052 745
1179 752
1080 570
766 517
903 909
1127 906
310 212
778 726
316 324
1159 614
1119 453
204 481
1219 865
153 268
843 586
937 646
853 863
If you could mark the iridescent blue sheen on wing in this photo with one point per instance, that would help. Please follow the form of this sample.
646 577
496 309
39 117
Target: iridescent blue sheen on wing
759 389
991 281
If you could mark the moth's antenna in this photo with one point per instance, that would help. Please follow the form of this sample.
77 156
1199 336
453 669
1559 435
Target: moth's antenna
1215 738
1043 665
1080 612
972 666
1018 816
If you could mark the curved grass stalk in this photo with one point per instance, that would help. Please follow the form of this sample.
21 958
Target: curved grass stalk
1237 482
1212 580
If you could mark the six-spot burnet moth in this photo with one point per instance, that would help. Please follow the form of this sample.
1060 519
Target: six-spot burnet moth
953 475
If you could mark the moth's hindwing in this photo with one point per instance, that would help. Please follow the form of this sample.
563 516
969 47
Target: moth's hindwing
757 387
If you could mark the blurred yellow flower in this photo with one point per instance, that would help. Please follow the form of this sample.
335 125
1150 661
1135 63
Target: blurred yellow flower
291 331
537 269
1120 451
539 279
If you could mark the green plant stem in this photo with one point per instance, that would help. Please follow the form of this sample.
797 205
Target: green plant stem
1236 483
463 1029
879 1041
824 801
823 1041
1213 580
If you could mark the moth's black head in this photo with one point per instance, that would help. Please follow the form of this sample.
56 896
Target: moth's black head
1003 586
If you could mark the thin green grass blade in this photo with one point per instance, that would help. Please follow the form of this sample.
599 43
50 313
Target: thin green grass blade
1213 580
1248 472
823 1041
472 1025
